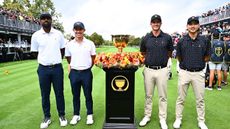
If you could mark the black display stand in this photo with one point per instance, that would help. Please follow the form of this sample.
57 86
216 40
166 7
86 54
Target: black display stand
120 98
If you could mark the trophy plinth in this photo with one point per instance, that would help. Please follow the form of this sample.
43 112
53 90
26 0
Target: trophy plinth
120 91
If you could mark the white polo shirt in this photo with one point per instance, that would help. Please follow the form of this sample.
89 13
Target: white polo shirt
48 46
80 53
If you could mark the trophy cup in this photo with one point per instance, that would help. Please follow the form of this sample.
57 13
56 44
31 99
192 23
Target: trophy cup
120 83
120 41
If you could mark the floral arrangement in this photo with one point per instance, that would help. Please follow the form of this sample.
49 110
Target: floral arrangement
119 60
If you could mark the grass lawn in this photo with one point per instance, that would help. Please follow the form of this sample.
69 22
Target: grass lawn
20 101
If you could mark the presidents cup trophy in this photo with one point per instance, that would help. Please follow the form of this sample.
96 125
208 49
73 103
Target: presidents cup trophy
120 68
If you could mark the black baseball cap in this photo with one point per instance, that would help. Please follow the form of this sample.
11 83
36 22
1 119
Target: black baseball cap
194 19
78 25
45 15
156 17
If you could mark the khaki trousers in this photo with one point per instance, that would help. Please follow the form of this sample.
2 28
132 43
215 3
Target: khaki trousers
197 81
159 79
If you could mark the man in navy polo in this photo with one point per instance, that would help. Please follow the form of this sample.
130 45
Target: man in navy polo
157 47
193 50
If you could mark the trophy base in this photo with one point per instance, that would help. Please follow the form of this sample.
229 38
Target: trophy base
119 126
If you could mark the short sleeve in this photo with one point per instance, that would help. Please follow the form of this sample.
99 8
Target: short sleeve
142 45
67 51
208 48
93 49
178 50
170 45
62 41
34 44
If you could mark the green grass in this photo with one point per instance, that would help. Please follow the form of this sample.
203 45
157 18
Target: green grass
20 101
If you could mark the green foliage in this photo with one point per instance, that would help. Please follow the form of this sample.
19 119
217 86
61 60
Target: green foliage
40 6
17 5
58 25
97 39
108 43
87 36
134 41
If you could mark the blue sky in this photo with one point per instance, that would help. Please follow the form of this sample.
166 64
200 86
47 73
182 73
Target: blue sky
109 17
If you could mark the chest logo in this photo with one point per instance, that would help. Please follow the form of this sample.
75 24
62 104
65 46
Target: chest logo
218 51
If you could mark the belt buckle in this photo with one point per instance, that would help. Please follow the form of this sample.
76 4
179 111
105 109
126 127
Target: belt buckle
79 71
51 66
155 67
158 67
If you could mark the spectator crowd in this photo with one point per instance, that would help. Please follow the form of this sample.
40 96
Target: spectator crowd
17 15
220 10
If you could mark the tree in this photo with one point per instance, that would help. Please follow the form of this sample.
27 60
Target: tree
108 43
40 6
97 39
87 36
17 5
133 41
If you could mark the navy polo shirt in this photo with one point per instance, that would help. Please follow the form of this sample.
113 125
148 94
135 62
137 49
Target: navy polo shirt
193 52
156 48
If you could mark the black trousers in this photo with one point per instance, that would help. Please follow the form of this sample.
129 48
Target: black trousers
51 75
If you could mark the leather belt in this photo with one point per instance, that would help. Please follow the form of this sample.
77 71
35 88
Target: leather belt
192 70
51 66
155 67
81 70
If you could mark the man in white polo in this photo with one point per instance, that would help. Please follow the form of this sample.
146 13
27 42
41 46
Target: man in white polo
48 45
80 54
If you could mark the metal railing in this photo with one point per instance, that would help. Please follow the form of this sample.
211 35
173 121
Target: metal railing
18 25
215 18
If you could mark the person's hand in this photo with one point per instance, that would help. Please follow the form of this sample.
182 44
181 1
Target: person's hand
69 68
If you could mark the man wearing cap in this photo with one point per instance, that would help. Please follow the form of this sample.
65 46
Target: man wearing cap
48 45
193 50
80 54
157 47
